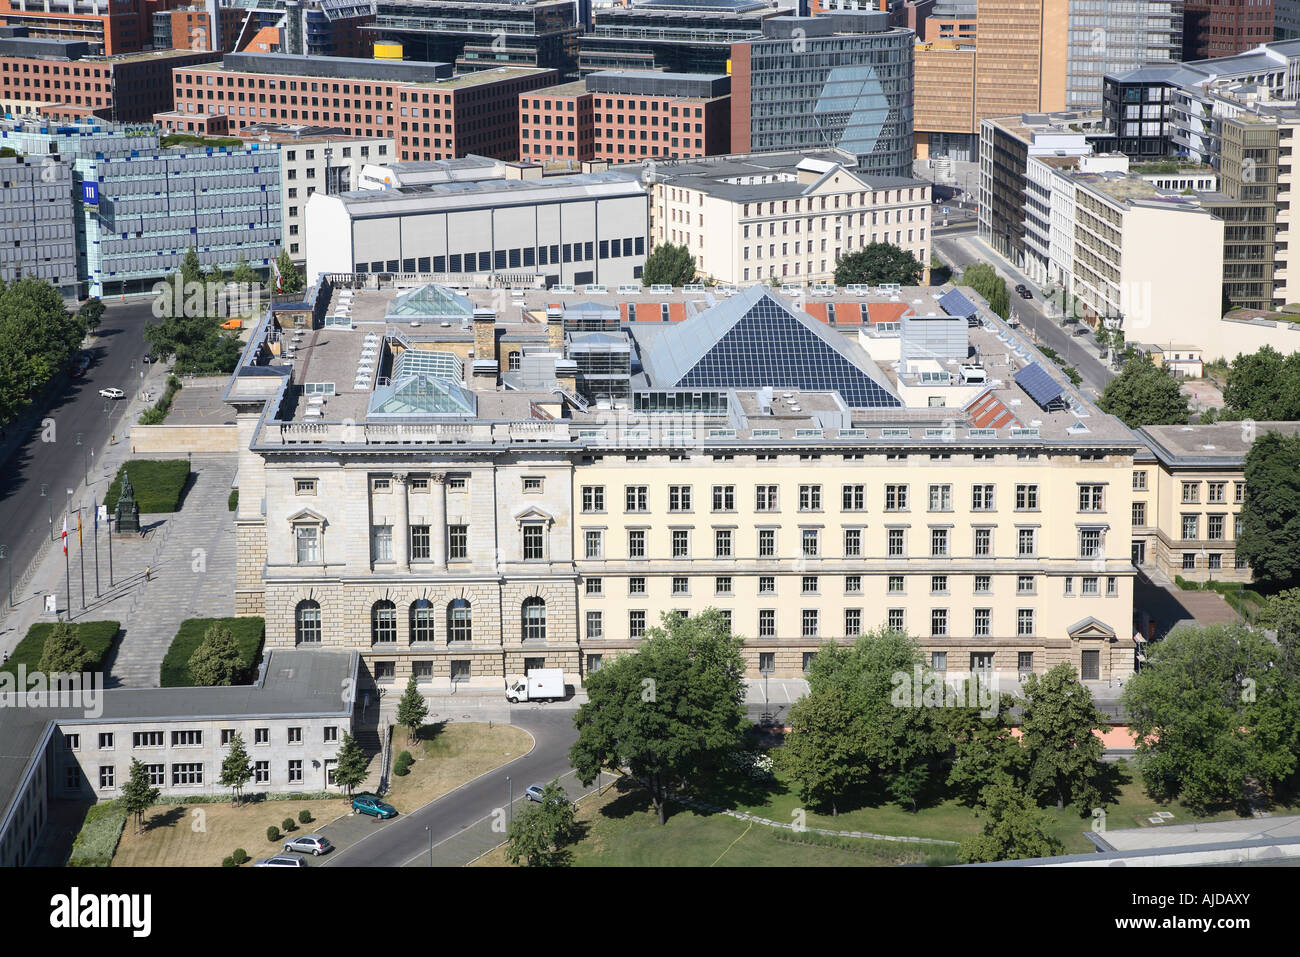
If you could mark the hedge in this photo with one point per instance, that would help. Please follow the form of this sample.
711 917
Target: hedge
159 484
248 633
97 841
232 501
156 414
99 637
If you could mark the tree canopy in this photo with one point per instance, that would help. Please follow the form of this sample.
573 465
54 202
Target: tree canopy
38 338
349 764
1061 751
1268 526
1264 385
1144 394
1213 714
984 279
290 280
216 660
138 795
668 264
1014 828
541 832
236 768
64 652
412 710
671 713
877 263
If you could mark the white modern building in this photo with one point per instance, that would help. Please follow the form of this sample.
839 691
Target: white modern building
587 228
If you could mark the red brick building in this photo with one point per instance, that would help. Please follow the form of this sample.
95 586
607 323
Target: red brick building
429 113
1215 28
623 116
129 88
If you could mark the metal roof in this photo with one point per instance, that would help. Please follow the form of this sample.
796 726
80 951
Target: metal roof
1039 386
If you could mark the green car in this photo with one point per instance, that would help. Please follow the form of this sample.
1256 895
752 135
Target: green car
369 804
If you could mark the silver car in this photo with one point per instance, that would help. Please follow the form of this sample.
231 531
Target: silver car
315 844
282 860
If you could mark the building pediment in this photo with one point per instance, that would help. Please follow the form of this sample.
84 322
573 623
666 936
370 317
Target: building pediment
306 516
1091 629
534 514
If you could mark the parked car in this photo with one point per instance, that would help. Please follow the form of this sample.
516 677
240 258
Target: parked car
1024 292
112 393
369 804
313 844
148 358
1080 330
534 792
80 365
281 860
233 324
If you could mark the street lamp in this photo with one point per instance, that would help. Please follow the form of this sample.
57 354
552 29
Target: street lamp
430 831
49 501
4 553
510 808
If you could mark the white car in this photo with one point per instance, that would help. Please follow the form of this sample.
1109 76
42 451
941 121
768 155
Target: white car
112 393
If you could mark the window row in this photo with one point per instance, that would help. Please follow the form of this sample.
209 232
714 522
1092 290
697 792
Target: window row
421 618
853 498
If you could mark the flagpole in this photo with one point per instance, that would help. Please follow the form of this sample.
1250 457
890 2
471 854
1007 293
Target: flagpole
110 550
94 507
81 559
67 571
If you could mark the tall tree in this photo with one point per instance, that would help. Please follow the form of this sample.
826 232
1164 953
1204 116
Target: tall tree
541 833
1281 613
63 652
243 273
1144 394
1057 724
668 264
290 280
876 263
985 751
1268 526
138 795
216 660
825 752
1213 714
236 768
349 764
191 270
1264 385
1013 829
412 710
984 279
91 311
671 713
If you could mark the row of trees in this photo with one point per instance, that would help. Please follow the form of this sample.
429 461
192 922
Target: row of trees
673 265
38 339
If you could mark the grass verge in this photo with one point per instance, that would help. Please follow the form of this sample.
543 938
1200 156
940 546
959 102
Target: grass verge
449 754
98 637
159 484
248 633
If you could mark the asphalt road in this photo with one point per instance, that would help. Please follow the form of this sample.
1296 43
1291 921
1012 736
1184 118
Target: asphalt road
77 413
1030 312
404 837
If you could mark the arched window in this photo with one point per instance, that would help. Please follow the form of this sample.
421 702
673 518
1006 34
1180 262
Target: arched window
421 621
459 626
512 361
534 619
307 623
383 623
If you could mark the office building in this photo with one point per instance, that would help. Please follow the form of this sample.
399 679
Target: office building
1219 28
61 78
502 219
676 36
107 27
1114 36
627 116
481 34
429 112
784 217
462 522
837 81
37 231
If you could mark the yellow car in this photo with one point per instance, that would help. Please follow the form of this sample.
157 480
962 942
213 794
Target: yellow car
233 324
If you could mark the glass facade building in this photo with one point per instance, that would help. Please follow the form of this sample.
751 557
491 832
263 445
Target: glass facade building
840 80
1113 36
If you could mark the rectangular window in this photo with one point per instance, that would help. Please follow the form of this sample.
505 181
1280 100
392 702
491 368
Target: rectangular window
766 542
637 498
808 584
681 543
724 498
381 543
308 540
1139 514
636 543
983 584
722 543
457 542
896 549
1024 584
295 771
534 542
853 543
1239 492
938 584
853 584
767 584
595 587
681 586
941 498
983 541
1214 528
594 543
938 542
187 739
808 623
766 623
636 586
810 498
1139 481
765 499
595 624
895 498
894 619
1191 493
939 661
722 585
1024 622
766 662
939 622
854 498
1091 498
1026 498
593 498
420 542
982 498
636 623
1026 542
107 777
184 775
147 739
810 542
1089 585
983 622
1216 492
261 735
1089 543
679 498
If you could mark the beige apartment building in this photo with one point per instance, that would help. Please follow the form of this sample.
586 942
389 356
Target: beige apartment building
542 503
784 217
1188 489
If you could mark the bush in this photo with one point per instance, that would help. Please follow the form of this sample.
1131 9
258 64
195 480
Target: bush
159 485
240 855
98 637
304 816
228 862
402 766
288 825
232 502
272 833
96 843
156 414
248 633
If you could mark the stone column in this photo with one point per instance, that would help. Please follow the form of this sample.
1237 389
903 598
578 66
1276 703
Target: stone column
402 525
438 522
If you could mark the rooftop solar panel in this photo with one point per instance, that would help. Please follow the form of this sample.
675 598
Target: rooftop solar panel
1040 386
955 304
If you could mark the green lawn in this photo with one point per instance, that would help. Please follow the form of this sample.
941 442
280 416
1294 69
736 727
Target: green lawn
97 841
247 632
98 637
159 484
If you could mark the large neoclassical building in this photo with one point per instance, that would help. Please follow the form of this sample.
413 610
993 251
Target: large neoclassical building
465 485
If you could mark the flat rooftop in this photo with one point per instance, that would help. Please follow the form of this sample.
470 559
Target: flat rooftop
1219 443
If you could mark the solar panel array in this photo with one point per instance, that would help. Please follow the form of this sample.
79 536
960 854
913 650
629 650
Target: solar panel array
1039 386
769 347
955 304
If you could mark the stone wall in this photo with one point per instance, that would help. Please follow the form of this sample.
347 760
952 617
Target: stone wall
179 439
